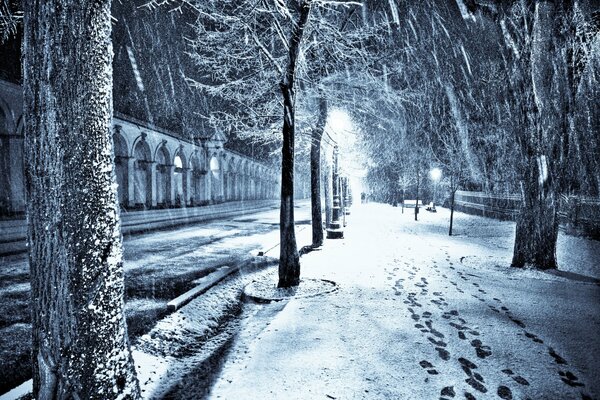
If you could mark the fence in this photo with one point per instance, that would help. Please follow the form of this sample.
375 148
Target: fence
13 233
577 214
504 207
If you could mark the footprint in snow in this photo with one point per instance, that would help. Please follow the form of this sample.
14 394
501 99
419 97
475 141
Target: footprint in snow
448 391
428 367
504 393
557 358
517 378
481 350
570 379
534 338
469 396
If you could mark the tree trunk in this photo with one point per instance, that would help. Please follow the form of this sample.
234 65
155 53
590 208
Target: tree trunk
289 260
537 223
315 174
327 189
417 203
80 346
452 195
403 197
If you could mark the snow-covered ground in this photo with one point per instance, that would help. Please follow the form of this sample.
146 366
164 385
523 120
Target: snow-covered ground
420 315
417 315
159 266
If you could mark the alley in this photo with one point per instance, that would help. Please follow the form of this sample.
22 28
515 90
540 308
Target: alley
420 315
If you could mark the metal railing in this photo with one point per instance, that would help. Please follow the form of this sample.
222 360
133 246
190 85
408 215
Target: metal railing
576 213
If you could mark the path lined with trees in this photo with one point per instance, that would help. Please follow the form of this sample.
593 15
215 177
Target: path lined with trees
514 112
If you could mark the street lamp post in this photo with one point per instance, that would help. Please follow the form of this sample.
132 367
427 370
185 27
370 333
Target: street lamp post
435 174
346 195
335 229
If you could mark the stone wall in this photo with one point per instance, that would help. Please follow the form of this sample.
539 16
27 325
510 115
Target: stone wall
155 168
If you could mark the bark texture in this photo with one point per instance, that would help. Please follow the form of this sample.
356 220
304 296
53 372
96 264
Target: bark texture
289 260
80 345
327 189
315 174
417 201
537 223
452 197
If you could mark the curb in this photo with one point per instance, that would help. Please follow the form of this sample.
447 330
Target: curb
212 280
328 286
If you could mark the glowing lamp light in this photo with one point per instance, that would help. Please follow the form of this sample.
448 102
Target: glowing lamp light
435 174
177 162
214 167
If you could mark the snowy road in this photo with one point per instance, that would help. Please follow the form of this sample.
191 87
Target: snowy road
158 267
420 315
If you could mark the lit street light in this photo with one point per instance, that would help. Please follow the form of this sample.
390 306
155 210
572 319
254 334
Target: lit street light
436 175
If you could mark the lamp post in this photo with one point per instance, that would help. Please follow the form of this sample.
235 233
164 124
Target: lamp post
335 229
346 195
435 174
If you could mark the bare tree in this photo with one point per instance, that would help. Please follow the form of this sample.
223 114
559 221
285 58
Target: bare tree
80 345
538 37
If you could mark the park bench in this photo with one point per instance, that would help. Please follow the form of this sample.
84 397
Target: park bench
412 203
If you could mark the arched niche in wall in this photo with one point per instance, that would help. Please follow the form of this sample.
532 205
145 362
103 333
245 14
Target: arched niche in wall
231 183
180 178
122 172
163 175
198 178
215 178
142 179
5 163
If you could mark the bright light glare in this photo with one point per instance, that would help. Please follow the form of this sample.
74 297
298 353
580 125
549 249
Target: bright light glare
435 174
214 164
339 121
177 162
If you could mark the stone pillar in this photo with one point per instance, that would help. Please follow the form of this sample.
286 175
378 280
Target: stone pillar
170 200
347 196
259 189
130 178
187 192
335 229
327 192
17 177
242 187
221 185
208 186
151 185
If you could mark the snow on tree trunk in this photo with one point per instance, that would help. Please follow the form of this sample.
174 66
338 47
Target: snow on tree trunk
417 196
315 174
452 198
327 190
289 260
537 222
537 225
80 346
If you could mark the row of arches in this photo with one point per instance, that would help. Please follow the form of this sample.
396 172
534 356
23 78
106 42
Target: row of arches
154 168
161 174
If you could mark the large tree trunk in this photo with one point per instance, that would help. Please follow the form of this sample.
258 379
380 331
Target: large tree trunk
417 201
537 226
315 174
537 223
452 198
328 190
80 345
289 260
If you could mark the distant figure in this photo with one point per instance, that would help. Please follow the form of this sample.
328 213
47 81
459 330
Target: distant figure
363 197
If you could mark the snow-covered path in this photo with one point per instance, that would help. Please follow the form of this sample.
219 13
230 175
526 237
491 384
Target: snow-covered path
420 315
